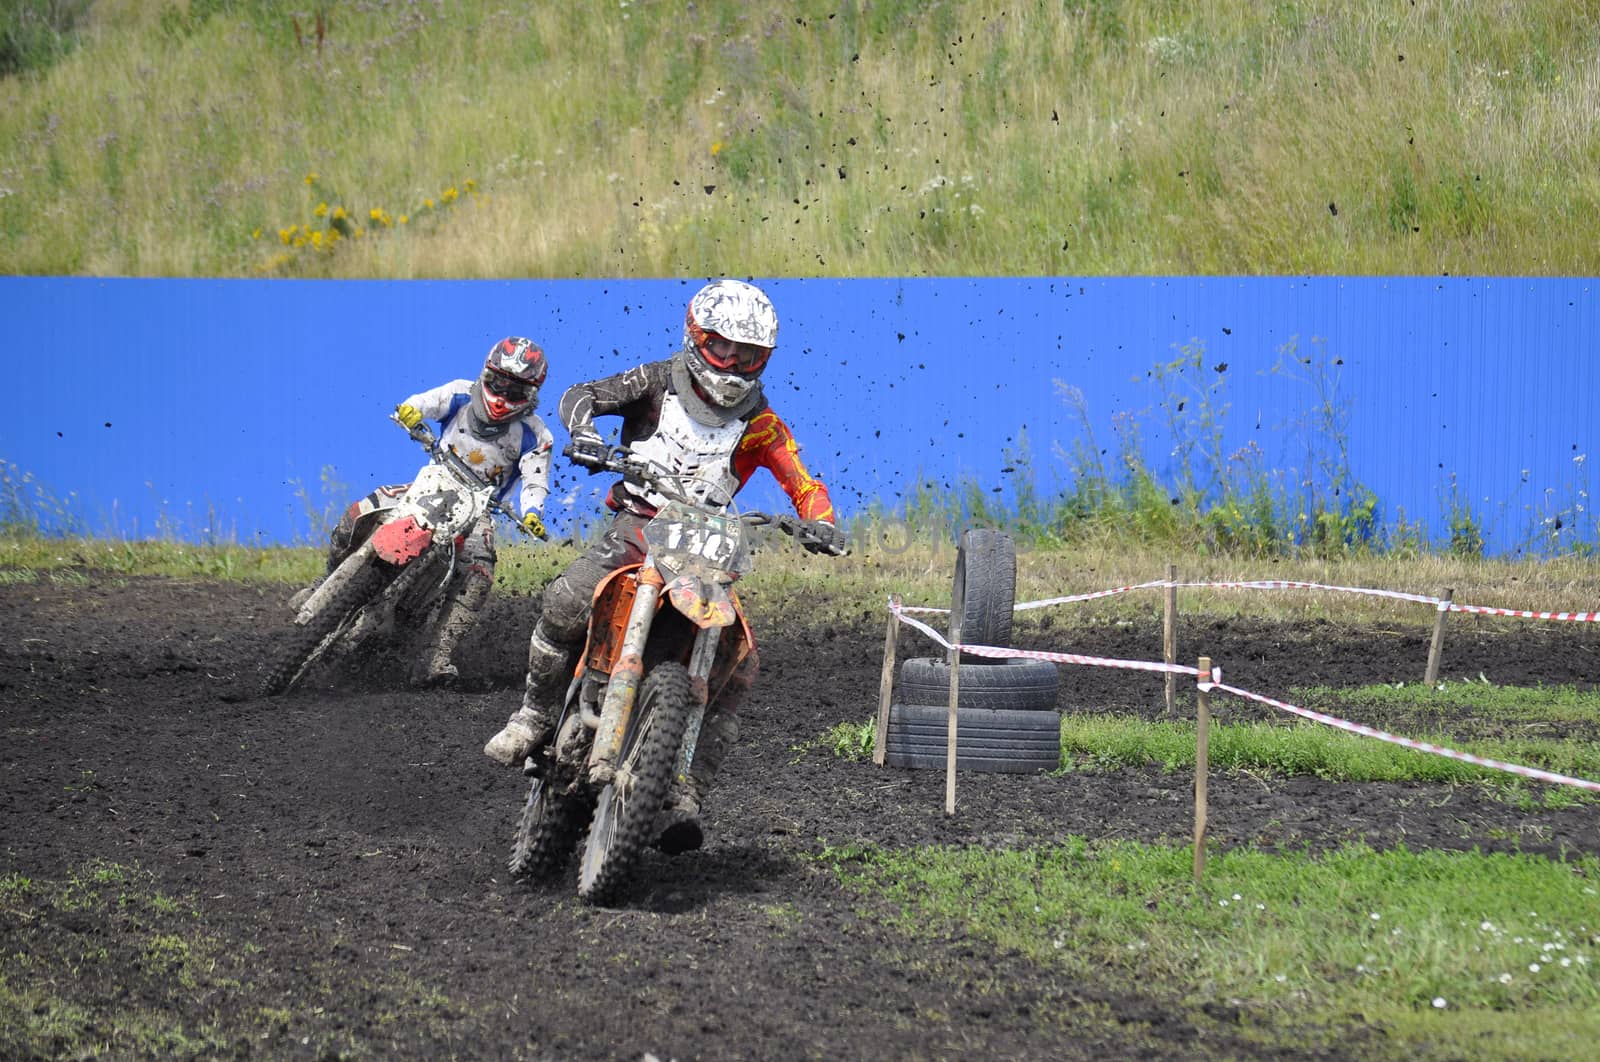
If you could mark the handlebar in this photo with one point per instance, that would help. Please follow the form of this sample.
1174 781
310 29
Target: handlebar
670 486
465 473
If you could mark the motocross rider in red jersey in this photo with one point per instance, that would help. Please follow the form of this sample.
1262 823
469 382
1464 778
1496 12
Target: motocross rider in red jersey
701 413
490 423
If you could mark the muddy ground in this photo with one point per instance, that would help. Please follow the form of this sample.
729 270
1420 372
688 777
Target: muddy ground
322 875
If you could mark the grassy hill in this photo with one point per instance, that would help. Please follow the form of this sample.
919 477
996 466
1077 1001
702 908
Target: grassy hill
459 138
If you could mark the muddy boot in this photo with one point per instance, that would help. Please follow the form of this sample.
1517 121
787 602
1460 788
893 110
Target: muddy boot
530 726
526 730
677 826
460 615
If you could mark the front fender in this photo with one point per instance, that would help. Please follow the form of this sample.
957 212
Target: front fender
401 541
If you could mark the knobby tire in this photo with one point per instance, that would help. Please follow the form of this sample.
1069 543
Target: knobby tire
309 642
625 813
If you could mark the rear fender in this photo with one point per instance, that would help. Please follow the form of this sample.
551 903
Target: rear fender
401 541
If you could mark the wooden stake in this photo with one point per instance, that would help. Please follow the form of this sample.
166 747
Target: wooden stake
1436 646
880 739
1169 639
1202 757
950 743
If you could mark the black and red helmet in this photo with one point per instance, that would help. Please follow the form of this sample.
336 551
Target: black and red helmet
509 385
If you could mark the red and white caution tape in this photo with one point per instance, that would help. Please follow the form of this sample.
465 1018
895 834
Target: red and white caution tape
1438 603
1036 654
1214 682
1420 746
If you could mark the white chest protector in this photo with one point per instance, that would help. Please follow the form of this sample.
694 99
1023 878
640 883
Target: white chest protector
699 453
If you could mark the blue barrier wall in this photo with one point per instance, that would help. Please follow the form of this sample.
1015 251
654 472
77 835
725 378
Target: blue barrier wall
188 405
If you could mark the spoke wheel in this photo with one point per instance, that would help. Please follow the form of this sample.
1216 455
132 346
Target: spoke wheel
626 809
310 641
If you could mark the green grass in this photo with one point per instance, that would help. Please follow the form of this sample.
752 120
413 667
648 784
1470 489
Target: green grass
1107 742
1455 954
1482 699
973 137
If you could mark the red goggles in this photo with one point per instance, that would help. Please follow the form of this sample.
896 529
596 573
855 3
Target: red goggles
731 356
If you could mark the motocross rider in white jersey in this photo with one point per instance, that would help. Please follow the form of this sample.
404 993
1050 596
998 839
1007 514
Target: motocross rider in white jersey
702 412
490 423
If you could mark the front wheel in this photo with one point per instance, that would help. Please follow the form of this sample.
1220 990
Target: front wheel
626 810
308 642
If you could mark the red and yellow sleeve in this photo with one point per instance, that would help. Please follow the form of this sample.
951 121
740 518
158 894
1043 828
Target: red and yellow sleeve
768 443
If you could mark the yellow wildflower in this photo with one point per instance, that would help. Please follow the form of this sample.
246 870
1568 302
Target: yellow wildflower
450 194
716 148
427 204
285 235
404 219
316 239
311 178
472 186
321 211
339 213
256 235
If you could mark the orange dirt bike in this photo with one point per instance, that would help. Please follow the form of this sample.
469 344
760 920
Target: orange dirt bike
664 633
403 557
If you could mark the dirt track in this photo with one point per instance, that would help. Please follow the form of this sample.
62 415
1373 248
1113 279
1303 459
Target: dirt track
339 853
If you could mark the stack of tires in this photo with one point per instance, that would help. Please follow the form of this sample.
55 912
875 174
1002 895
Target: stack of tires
1006 719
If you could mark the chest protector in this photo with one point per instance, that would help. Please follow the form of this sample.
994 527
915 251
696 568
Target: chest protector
702 454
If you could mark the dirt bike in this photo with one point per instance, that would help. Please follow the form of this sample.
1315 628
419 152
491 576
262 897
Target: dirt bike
405 555
633 710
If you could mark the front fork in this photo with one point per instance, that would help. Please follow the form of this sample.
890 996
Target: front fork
627 673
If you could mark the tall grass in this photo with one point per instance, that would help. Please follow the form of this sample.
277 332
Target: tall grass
875 137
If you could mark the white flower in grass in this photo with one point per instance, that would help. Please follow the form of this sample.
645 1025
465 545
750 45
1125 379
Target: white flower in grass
1280 978
1486 926
1566 961
1439 1003
1533 967
1374 916
1236 896
1222 903
1504 979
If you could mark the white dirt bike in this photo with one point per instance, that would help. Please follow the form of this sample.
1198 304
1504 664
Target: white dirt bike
633 710
404 556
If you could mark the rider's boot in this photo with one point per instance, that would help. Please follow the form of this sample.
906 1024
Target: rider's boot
458 616
678 827
530 725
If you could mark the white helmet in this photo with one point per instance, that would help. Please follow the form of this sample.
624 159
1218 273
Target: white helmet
729 332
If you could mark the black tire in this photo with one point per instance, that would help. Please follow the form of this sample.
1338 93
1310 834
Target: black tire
547 830
623 819
984 591
308 642
1020 685
987 740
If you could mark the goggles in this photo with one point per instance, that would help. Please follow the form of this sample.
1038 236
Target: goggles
730 356
506 388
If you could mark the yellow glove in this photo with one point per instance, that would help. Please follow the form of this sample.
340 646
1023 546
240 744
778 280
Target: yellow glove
533 525
408 415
